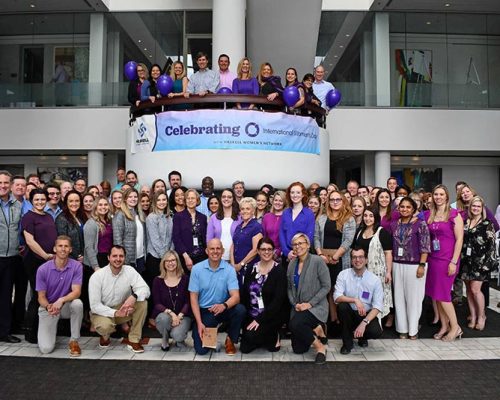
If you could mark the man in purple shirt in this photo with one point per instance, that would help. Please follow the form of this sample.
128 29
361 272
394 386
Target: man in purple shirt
58 283
226 77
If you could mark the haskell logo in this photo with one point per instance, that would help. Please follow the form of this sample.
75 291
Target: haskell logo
142 130
141 138
252 129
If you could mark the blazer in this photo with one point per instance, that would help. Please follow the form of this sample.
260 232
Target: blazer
124 234
348 231
314 286
182 231
91 238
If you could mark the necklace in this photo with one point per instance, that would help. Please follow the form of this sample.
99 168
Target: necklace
173 297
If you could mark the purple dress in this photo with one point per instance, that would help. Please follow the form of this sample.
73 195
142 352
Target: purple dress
438 284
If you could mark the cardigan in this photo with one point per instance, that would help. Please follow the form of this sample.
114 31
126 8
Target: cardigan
348 231
314 286
182 231
214 228
159 234
124 234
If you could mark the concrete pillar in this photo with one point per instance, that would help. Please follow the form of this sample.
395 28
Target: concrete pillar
382 167
97 57
95 164
114 65
382 59
367 72
228 31
368 171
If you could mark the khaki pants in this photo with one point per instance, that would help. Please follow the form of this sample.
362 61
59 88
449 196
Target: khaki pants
105 326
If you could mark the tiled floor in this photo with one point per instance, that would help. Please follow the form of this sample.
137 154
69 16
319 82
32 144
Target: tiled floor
378 350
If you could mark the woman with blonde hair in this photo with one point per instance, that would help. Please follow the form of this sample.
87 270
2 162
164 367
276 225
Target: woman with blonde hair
171 307
178 74
245 83
272 220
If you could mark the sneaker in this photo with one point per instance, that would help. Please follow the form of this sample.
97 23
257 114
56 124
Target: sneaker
230 349
104 343
320 359
135 347
74 349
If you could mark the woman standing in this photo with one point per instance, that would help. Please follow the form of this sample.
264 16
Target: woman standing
446 229
292 80
411 246
178 74
377 243
314 204
270 84
145 203
333 236
272 221
134 87
262 200
149 91
383 203
245 239
177 200
223 223
245 83
70 223
190 232
88 202
171 301
98 235
478 258
308 287
358 206
116 201
296 218
129 230
158 185
264 296
213 204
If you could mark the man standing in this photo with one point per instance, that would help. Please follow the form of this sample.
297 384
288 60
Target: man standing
205 80
320 86
34 179
120 178
65 187
132 180
215 298
174 180
18 189
10 215
352 187
80 185
52 208
118 294
359 297
207 190
59 285
239 190
226 77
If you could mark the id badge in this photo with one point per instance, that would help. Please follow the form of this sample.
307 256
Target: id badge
365 295
400 252
260 303
435 245
195 242
468 251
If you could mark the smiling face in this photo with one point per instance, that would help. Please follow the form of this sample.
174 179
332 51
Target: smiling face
278 203
179 198
161 202
132 200
102 207
319 73
145 203
178 69
266 252
406 209
223 63
313 204
291 76
202 62
116 199
155 72
191 200
245 66
357 207
266 71
261 202
368 218
73 202
300 247
88 202
159 187
39 201
246 211
213 205
296 195
439 197
466 194
227 199
476 208
384 199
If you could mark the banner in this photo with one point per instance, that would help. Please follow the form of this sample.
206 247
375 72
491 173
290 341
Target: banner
225 129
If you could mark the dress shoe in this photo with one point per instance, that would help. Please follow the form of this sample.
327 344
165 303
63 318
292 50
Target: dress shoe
320 359
135 347
10 339
165 348
104 343
230 349
345 349
363 342
74 349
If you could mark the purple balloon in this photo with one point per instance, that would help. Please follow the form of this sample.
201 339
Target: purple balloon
130 70
291 95
165 84
224 90
333 98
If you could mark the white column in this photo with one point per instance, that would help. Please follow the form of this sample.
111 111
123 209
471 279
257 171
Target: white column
382 167
367 72
228 31
114 67
382 57
368 171
95 163
97 57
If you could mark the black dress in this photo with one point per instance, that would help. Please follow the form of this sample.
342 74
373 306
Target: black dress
478 251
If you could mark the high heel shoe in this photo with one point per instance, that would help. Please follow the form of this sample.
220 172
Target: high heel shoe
480 325
458 335
439 335
472 323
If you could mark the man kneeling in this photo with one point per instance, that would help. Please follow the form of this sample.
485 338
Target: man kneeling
359 297
118 294
59 283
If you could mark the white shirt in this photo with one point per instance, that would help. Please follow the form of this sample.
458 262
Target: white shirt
225 236
139 239
107 290
320 89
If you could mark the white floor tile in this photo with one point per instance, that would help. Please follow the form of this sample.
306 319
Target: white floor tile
481 354
182 356
149 355
117 355
380 356
350 357
28 352
401 355
451 355
421 355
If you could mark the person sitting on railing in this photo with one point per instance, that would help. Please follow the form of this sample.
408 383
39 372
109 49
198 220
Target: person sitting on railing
178 74
134 87
270 84
245 83
291 80
205 80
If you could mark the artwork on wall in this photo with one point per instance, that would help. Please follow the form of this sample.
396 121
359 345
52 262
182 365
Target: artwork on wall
61 174
423 178
414 68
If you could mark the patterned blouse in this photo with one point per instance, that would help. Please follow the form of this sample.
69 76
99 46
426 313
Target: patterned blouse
478 251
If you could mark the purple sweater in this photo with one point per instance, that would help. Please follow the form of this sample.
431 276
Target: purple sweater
214 228
163 298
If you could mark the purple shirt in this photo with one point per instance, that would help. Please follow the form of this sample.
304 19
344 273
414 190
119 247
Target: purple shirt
410 240
271 229
57 283
304 223
173 298
105 241
43 229
214 228
242 240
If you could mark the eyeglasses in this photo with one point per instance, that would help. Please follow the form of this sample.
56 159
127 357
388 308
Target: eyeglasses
171 261
140 70
357 258
266 249
337 200
51 194
297 244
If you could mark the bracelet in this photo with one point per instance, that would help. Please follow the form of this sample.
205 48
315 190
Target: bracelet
320 254
421 264
453 262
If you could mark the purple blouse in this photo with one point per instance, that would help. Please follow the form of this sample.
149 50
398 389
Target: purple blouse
174 298
105 241
271 229
410 240
43 229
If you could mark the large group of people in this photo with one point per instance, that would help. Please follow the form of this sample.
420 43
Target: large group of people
312 88
121 258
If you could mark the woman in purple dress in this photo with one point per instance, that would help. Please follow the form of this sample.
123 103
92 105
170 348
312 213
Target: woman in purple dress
447 230
272 220
245 83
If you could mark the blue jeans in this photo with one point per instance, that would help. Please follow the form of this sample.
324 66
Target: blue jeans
234 318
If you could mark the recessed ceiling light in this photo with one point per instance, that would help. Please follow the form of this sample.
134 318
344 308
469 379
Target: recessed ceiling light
428 22
139 41
347 35
32 6
64 158
341 46
145 49
331 65
447 4
335 56
150 56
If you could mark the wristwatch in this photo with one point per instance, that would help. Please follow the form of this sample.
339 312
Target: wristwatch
366 321
225 305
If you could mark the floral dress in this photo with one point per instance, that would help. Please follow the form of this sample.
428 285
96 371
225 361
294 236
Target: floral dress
478 251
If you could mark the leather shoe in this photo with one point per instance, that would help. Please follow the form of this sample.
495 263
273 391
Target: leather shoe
10 339
363 342
74 349
230 349
320 359
135 347
345 350
104 343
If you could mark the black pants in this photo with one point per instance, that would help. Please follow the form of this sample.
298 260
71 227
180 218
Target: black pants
349 321
265 336
301 325
152 270
7 265
31 264
21 287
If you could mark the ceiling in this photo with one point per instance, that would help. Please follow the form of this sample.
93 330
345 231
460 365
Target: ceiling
8 6
480 6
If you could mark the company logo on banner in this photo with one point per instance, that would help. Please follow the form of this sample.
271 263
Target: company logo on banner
226 129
